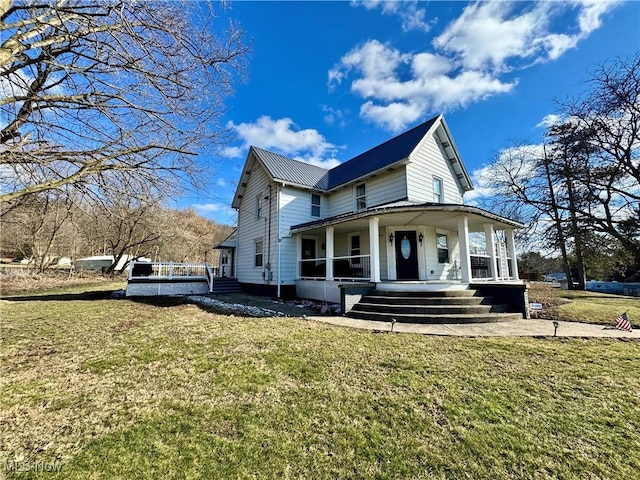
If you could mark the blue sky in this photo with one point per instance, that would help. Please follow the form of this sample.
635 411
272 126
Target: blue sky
329 80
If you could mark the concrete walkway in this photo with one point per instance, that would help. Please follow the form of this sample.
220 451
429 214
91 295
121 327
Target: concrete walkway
516 328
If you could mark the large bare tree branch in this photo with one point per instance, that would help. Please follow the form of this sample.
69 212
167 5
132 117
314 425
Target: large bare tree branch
89 87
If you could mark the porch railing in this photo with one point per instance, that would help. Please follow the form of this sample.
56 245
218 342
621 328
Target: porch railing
353 267
169 270
480 267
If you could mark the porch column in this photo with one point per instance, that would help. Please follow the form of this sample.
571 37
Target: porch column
511 245
491 250
374 248
463 241
298 254
328 234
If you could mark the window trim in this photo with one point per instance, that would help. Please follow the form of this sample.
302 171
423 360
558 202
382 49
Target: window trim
438 248
258 255
441 194
314 205
258 207
360 198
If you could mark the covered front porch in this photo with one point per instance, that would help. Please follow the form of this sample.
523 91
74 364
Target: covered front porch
424 246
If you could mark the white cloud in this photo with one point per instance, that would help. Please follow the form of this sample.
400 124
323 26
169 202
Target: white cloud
520 163
490 34
549 120
399 88
469 61
409 12
220 212
210 207
221 182
283 136
333 116
231 152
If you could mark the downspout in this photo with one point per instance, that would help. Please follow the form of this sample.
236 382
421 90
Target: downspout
279 237
269 243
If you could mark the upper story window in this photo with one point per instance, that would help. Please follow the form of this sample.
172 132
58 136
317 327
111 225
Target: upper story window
315 205
438 197
259 252
361 196
258 207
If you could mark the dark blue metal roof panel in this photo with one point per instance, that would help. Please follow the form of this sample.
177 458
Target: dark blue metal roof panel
384 155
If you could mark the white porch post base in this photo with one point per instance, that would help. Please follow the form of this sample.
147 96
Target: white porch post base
463 240
374 248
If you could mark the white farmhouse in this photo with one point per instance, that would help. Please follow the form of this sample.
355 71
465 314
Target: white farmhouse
392 217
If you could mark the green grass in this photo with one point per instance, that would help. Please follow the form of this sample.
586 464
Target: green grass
120 389
582 306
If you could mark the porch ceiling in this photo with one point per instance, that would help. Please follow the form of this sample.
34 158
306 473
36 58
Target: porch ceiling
441 216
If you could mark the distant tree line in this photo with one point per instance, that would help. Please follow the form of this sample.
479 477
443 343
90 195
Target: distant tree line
106 109
580 190
49 226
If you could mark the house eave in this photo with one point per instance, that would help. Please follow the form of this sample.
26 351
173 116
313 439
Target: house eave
394 209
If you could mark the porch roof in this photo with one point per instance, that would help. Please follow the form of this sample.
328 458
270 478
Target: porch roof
404 213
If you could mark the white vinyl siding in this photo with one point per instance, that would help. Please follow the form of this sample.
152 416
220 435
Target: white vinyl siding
295 208
434 269
427 162
250 228
385 188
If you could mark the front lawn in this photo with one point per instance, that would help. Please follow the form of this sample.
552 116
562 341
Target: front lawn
109 388
582 306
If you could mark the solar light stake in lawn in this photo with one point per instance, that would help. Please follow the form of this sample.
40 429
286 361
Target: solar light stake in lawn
555 328
393 322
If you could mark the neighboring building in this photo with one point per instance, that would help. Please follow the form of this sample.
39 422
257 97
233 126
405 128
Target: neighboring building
392 214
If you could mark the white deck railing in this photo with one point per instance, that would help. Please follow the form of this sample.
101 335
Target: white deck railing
170 270
349 267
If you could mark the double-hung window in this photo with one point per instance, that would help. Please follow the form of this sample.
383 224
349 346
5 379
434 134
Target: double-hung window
258 207
315 205
361 196
442 245
438 197
259 250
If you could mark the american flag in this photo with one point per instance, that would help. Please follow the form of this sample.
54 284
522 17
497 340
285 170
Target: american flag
622 323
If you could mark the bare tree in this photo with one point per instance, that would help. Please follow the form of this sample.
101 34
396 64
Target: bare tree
586 180
36 228
134 89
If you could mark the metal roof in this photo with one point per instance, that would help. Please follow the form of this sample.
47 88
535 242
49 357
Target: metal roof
287 169
384 155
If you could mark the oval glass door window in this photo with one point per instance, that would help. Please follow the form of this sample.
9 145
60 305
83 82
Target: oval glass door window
405 248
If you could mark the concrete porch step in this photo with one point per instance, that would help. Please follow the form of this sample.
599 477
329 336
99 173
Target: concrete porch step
415 300
226 285
428 293
363 306
435 318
